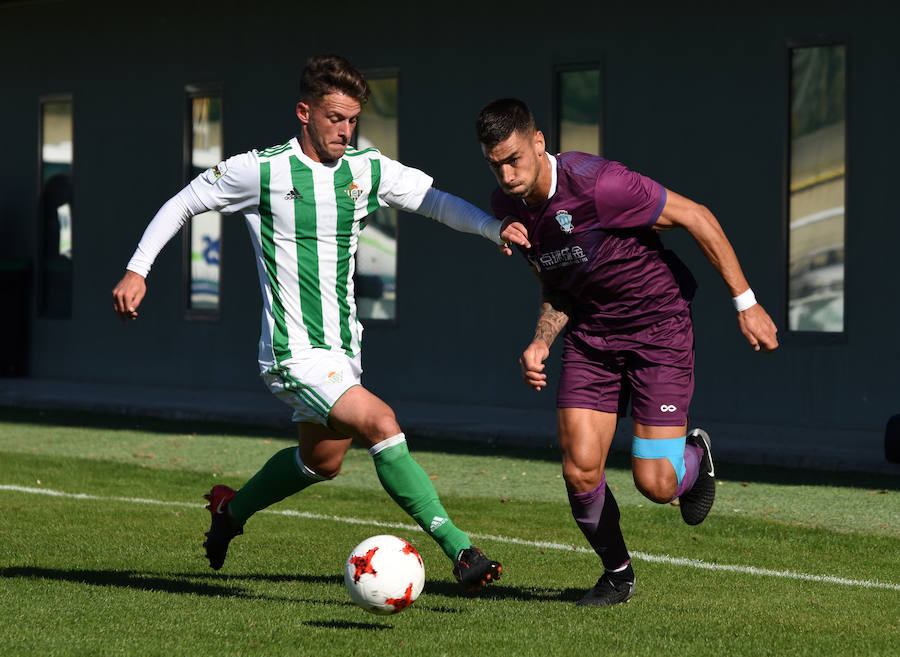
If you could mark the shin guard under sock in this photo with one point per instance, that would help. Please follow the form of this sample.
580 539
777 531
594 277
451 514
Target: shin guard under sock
282 475
409 486
597 515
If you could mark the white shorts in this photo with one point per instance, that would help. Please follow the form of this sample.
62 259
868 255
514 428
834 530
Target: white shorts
312 382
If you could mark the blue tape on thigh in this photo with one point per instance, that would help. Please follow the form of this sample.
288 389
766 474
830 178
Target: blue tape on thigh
661 448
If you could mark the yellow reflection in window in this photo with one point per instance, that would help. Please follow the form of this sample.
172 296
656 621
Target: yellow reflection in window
817 189
579 111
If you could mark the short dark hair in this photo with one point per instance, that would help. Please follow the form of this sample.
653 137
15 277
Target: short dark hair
500 118
325 74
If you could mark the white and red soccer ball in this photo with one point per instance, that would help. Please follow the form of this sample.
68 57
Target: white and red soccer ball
384 574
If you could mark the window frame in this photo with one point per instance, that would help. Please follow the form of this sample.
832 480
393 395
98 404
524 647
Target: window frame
191 92
556 108
40 274
793 336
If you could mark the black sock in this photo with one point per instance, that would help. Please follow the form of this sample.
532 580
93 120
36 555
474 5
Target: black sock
597 515
624 575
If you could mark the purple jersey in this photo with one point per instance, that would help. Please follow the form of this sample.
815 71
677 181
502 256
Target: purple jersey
592 241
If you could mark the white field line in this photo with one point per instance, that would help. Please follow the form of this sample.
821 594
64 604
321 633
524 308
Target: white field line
653 558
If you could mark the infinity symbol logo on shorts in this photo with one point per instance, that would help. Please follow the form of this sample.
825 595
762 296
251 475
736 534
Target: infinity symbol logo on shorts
668 408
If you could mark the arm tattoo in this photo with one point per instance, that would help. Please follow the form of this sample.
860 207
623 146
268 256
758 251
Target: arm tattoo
553 318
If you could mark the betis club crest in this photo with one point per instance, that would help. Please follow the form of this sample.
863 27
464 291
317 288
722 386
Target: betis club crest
353 192
564 219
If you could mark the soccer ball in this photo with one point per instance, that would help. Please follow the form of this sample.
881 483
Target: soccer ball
384 574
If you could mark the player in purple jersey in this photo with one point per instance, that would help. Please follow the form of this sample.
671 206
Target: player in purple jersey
589 227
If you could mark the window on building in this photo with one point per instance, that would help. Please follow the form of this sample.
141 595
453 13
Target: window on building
376 259
579 110
203 234
817 188
55 261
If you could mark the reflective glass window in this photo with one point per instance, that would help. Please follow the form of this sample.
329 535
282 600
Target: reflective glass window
55 269
204 231
376 259
579 111
818 169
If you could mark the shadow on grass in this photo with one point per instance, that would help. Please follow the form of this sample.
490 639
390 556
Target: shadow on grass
443 588
616 459
125 579
347 625
262 577
501 592
179 584
218 585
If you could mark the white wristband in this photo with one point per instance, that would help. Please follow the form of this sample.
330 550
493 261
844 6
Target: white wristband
744 300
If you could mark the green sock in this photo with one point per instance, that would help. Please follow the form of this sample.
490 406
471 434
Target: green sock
283 475
406 482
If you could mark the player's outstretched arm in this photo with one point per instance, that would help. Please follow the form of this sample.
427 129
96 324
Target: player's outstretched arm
754 322
461 215
128 294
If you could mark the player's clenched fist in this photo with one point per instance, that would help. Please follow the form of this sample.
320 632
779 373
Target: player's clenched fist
513 232
532 363
128 294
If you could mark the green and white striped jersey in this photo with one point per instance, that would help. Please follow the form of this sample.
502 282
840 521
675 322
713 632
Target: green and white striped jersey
304 219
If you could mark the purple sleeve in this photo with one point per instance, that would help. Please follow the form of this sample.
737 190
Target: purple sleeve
626 199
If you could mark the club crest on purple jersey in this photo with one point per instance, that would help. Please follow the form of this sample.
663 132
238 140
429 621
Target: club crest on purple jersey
564 219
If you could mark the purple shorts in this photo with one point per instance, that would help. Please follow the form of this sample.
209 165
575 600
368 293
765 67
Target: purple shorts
653 366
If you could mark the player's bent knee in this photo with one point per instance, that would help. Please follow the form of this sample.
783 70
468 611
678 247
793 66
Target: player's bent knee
381 426
655 489
658 466
326 468
328 471
322 460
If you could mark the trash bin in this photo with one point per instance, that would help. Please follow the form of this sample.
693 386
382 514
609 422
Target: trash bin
892 440
15 328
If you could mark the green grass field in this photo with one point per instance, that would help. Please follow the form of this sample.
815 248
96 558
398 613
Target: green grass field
102 520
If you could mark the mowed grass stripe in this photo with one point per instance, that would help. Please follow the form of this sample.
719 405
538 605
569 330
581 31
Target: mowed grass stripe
661 559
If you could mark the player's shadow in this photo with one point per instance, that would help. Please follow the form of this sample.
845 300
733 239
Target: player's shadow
443 588
126 579
501 592
347 625
262 577
212 584
221 585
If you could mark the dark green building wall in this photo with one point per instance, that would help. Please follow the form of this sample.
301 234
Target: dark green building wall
695 97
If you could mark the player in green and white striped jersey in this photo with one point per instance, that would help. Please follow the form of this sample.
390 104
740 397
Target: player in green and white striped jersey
304 217
303 202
